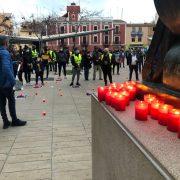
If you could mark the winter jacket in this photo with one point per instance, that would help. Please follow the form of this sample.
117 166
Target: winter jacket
7 79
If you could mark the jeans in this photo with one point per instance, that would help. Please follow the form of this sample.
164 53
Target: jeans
95 68
131 69
114 65
76 71
107 73
60 66
86 73
7 94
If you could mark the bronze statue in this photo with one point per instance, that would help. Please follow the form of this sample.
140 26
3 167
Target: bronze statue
163 58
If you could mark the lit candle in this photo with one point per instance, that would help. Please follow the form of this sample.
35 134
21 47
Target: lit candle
101 93
120 104
149 98
127 95
154 110
179 131
108 97
141 110
113 99
132 91
163 114
173 120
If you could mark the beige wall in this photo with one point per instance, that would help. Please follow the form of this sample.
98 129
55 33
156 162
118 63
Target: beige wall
6 27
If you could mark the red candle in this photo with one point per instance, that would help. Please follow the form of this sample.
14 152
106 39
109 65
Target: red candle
173 120
114 99
141 110
163 114
154 110
132 91
108 97
101 93
179 131
120 104
127 95
149 98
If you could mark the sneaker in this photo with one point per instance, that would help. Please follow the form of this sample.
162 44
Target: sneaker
6 125
18 123
77 84
100 79
71 84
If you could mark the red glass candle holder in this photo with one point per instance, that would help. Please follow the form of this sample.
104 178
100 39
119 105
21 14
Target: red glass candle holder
113 99
127 95
141 110
154 110
163 114
132 91
173 120
149 98
108 97
101 94
120 104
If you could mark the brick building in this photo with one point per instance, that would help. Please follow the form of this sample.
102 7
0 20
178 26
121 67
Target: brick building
72 22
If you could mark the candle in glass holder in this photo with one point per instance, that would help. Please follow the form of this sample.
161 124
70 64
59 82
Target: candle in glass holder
132 91
154 110
141 110
127 95
179 131
108 97
101 94
113 99
149 98
173 120
163 114
120 104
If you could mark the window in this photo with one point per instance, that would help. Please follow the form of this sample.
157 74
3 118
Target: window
106 40
133 39
140 29
106 27
30 33
95 28
95 39
62 30
73 29
84 39
134 29
139 39
62 41
116 40
84 28
73 17
117 30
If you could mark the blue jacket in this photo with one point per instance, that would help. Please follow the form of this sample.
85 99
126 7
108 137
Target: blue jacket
7 79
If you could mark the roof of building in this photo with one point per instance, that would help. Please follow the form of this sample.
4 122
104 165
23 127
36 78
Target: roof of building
140 24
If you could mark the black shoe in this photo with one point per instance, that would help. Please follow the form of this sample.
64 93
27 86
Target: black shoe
6 125
77 84
18 123
71 84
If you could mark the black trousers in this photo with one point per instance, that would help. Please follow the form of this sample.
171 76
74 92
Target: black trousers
86 73
27 75
7 94
140 65
114 65
39 74
135 69
46 66
60 66
107 73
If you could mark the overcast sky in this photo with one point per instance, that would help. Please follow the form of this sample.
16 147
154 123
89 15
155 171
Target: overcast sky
129 10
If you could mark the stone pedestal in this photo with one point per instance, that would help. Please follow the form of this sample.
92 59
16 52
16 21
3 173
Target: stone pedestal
123 148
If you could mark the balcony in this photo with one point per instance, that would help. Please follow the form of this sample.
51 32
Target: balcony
133 34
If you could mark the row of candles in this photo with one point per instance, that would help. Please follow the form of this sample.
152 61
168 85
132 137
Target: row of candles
119 95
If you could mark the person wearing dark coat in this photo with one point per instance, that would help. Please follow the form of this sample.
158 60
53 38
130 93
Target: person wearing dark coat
7 82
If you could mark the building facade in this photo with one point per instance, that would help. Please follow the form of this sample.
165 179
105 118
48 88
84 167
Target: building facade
138 35
6 24
72 22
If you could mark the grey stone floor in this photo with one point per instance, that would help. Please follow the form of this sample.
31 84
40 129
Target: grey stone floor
57 146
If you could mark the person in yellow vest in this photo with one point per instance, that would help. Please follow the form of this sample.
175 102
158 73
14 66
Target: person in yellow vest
106 63
52 60
34 54
76 60
46 58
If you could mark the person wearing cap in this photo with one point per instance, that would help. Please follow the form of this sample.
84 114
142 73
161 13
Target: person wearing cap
76 60
106 63
7 82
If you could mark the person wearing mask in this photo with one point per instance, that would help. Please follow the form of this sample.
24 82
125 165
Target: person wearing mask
39 70
27 63
86 63
133 66
106 63
7 82
96 57
76 60
46 58
62 62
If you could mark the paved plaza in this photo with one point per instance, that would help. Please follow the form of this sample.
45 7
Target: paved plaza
58 145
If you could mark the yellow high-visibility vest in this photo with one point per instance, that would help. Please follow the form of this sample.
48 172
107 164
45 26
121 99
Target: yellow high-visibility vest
110 56
34 54
77 59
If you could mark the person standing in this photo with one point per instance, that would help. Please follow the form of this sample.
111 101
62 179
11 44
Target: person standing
76 60
96 57
27 63
86 63
46 58
140 57
133 66
106 63
62 62
116 62
7 82
122 57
